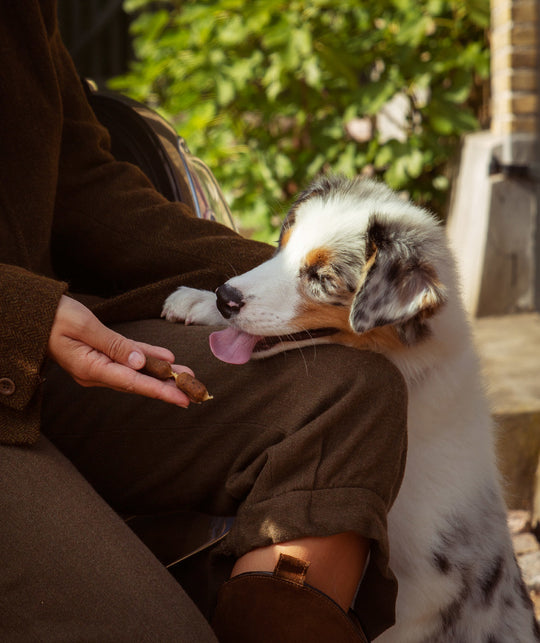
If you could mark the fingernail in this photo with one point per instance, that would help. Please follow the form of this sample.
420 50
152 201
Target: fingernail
136 360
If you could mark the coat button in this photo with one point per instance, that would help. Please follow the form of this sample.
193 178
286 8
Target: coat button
7 386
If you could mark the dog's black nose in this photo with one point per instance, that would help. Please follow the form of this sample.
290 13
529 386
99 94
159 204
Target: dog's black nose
229 300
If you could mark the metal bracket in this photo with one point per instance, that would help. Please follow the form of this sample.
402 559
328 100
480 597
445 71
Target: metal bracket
523 171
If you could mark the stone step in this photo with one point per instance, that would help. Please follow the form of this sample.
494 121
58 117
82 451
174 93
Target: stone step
527 551
509 348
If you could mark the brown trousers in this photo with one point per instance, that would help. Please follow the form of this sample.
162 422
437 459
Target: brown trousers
308 442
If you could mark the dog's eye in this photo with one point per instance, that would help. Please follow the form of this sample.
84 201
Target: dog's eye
320 281
317 274
313 273
328 280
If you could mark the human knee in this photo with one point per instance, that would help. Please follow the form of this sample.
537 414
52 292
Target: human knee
361 388
361 429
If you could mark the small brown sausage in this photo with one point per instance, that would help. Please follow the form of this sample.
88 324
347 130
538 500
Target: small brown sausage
195 390
162 370
158 368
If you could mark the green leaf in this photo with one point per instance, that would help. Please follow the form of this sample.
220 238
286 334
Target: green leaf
224 90
404 168
460 87
262 90
383 156
232 32
478 11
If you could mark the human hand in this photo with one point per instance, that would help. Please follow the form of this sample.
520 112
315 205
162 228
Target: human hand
94 355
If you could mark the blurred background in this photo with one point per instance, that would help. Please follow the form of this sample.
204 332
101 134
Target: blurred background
270 92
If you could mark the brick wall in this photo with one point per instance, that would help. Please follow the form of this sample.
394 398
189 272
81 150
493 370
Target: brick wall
515 75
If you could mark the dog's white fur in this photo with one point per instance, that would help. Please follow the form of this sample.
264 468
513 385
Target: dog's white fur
355 256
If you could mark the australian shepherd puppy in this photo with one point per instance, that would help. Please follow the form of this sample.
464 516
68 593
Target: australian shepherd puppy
358 265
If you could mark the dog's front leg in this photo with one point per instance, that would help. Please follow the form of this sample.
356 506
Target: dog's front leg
192 306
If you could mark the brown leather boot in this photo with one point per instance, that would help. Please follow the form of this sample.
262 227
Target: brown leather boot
278 607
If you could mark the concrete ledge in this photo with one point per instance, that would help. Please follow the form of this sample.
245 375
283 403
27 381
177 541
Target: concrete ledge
492 226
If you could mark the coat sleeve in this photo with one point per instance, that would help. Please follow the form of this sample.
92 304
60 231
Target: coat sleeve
28 305
113 232
25 298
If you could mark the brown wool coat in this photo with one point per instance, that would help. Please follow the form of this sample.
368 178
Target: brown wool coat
72 218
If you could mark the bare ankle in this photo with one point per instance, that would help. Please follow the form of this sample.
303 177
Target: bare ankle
336 563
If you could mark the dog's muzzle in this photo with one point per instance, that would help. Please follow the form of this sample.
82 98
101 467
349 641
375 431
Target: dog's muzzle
229 301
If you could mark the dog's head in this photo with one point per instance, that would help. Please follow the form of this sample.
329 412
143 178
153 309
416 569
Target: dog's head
355 264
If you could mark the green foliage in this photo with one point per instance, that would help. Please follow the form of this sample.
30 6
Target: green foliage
265 91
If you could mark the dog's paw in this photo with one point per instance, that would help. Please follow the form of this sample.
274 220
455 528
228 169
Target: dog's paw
192 306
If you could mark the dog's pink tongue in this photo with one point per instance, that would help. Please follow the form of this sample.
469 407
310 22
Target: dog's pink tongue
232 346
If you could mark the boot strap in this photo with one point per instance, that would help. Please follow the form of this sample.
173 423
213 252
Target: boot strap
291 569
279 606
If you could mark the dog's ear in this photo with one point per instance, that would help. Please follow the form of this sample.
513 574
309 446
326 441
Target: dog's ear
400 285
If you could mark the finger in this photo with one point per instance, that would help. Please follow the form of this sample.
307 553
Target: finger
179 368
159 352
124 379
126 351
165 391
116 347
165 354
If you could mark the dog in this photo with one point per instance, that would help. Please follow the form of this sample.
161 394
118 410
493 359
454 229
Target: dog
358 265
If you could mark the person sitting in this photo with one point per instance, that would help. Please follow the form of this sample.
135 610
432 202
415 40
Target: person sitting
306 450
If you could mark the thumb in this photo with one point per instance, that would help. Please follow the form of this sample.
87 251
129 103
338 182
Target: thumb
124 351
76 321
117 347
136 359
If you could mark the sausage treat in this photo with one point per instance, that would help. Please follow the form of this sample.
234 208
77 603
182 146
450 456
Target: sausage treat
162 370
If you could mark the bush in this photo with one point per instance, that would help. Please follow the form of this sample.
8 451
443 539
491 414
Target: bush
271 92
